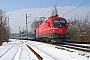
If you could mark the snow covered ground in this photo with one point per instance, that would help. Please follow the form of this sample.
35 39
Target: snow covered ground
17 50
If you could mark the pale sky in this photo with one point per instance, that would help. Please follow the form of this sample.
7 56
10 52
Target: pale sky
37 8
12 5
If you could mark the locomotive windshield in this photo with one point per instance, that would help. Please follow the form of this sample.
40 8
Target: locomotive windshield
59 23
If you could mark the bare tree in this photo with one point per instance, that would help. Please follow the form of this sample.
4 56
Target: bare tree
36 23
4 28
80 29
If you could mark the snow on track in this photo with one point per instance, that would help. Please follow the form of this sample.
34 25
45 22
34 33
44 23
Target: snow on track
59 54
26 54
76 46
43 54
10 55
17 50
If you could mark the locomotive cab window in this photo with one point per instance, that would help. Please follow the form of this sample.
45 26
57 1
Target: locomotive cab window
59 23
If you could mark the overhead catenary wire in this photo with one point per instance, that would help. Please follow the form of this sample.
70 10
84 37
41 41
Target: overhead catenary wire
53 5
83 3
44 9
69 5
57 2
63 8
37 6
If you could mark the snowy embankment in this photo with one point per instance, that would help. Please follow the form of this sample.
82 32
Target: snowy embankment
17 50
59 54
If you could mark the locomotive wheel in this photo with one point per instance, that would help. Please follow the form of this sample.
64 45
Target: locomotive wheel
39 39
52 41
47 40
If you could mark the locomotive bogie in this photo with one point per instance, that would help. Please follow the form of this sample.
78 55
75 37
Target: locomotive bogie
55 38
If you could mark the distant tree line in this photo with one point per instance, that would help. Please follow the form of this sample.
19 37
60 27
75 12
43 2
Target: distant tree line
4 28
80 29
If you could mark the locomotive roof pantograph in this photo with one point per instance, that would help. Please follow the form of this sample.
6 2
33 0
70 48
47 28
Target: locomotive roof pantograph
54 12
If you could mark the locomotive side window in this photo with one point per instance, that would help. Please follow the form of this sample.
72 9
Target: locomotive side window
59 23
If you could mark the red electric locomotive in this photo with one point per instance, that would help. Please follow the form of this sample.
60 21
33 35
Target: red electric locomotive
55 30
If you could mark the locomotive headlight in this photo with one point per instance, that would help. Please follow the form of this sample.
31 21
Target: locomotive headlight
53 31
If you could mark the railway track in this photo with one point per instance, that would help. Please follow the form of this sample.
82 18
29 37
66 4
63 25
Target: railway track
29 50
12 53
41 55
6 51
27 53
38 56
15 52
74 46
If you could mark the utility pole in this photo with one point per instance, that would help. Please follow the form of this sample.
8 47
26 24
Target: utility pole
20 33
8 30
26 27
1 41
